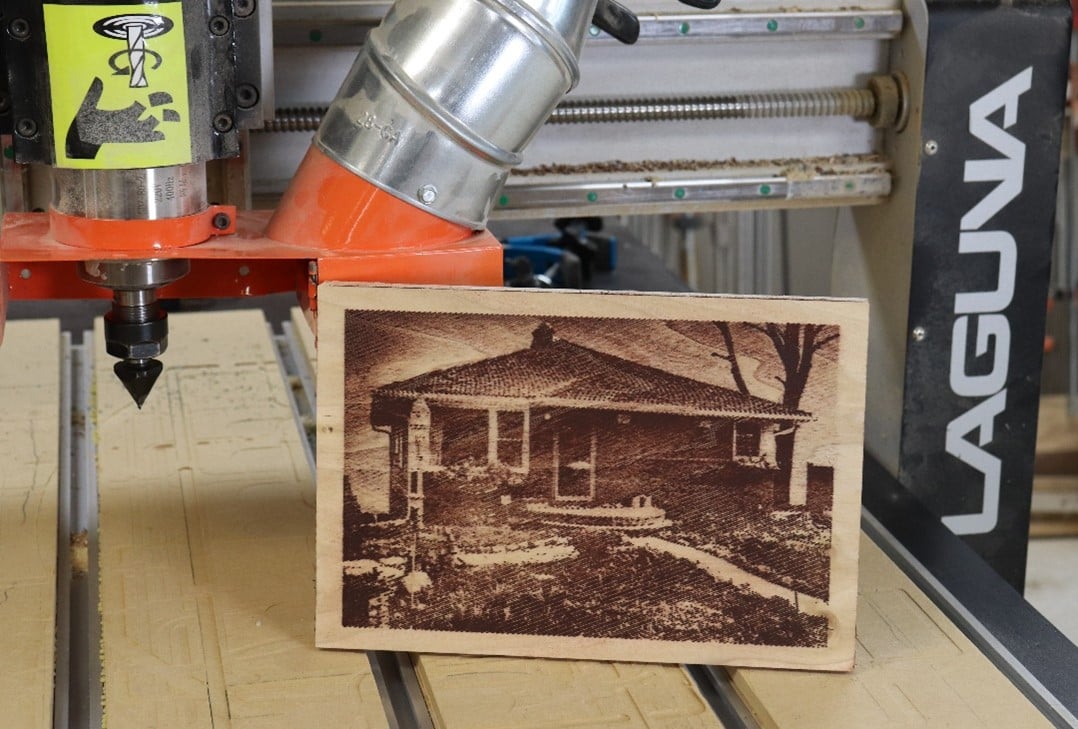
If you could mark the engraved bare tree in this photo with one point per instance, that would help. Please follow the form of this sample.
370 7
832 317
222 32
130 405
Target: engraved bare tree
796 345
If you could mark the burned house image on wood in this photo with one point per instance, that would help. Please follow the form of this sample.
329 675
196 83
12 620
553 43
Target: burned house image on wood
599 477
538 414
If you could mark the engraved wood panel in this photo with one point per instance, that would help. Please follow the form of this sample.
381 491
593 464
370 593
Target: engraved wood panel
590 475
29 471
207 546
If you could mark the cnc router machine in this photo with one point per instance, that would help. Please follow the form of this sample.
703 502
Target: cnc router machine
136 136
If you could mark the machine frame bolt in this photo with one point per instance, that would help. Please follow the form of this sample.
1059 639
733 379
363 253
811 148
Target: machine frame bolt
221 221
919 334
26 128
24 274
19 29
243 8
223 122
219 25
246 96
427 194
931 147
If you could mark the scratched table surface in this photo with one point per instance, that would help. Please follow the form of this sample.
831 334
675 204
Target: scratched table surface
207 568
29 469
207 545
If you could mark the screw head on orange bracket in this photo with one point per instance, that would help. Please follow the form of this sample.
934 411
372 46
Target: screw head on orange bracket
334 209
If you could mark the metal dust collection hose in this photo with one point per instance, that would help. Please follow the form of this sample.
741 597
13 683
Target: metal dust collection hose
883 104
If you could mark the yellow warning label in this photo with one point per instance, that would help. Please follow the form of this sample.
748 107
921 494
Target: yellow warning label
118 78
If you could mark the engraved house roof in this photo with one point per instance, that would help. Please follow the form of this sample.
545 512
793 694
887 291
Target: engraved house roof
556 372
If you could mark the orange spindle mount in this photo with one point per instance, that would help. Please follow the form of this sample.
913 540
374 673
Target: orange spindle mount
142 235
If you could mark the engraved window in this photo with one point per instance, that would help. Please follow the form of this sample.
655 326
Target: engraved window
510 432
747 440
574 461
724 440
464 437
396 448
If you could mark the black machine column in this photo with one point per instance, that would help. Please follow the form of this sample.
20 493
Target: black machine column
986 198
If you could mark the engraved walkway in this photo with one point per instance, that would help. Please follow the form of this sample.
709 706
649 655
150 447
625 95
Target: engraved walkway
725 571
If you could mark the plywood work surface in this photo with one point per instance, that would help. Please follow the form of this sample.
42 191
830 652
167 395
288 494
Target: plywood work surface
914 667
29 450
1055 479
304 337
466 692
207 546
1057 429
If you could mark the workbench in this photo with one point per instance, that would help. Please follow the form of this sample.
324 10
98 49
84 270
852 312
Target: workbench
171 553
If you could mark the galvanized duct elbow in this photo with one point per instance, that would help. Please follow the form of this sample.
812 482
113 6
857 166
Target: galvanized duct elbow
446 94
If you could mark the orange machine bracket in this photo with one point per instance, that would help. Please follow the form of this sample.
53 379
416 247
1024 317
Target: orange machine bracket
351 230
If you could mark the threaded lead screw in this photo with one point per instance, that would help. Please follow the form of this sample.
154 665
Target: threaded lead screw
858 103
883 104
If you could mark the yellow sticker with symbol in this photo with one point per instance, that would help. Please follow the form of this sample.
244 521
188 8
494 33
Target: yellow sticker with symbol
118 79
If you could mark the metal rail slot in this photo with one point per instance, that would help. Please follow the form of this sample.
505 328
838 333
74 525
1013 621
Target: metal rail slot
65 587
606 197
296 378
869 24
77 697
399 688
718 690
855 24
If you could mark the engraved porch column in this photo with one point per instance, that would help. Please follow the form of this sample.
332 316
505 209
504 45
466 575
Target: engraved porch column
799 470
418 456
768 447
